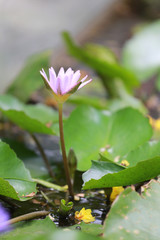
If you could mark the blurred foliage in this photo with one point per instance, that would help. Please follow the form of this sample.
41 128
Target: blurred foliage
141 54
32 118
118 82
104 62
29 80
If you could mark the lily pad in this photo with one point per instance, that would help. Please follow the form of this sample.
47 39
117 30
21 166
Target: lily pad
34 230
84 132
32 118
107 174
14 175
147 150
133 216
91 228
7 190
73 235
88 130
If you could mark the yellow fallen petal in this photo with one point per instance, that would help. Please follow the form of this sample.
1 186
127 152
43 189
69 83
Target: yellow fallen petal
115 192
84 215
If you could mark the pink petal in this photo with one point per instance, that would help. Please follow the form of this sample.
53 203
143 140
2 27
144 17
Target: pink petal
53 72
75 77
83 79
69 89
52 79
69 73
64 84
84 83
58 86
61 73
44 74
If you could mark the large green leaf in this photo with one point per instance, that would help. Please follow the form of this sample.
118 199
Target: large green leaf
73 235
146 151
34 230
141 53
84 131
107 174
91 228
133 216
14 174
126 130
87 130
46 230
29 78
101 60
33 118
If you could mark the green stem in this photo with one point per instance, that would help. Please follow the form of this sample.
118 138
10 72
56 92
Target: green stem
66 168
28 216
50 185
45 159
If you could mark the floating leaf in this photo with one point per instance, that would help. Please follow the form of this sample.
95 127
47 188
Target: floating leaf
14 175
84 132
91 228
29 78
106 174
126 130
7 190
133 216
88 130
147 150
141 53
32 118
73 235
34 230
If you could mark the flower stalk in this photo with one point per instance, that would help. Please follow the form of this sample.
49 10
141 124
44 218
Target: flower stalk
62 86
65 161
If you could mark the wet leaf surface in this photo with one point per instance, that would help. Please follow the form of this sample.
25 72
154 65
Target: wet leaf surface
133 216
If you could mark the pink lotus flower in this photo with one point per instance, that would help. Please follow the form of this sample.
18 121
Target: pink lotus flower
65 83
